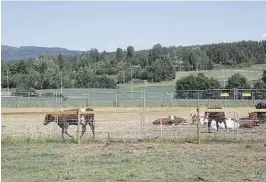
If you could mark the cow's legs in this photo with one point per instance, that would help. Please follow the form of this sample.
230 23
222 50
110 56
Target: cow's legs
91 123
217 125
225 124
63 131
68 134
84 128
209 125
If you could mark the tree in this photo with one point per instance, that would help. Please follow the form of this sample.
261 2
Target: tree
130 52
237 81
259 84
119 54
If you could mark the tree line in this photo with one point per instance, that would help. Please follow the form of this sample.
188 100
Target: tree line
202 87
96 69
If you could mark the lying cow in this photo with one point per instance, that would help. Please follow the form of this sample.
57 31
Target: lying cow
168 121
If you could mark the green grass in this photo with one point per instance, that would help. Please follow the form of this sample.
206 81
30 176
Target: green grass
252 73
142 161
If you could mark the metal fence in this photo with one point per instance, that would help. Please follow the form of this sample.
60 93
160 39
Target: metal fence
153 98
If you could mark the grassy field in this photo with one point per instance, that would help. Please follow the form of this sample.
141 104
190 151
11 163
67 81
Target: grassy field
148 161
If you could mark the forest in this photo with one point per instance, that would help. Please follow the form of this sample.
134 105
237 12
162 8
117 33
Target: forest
96 69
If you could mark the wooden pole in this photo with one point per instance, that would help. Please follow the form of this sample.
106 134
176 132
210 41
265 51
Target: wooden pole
198 127
78 126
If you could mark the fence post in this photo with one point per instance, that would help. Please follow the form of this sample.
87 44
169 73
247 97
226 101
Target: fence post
235 106
171 98
198 128
28 99
78 125
142 101
116 99
161 127
88 99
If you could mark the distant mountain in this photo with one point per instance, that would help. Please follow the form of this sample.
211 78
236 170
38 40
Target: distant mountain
25 52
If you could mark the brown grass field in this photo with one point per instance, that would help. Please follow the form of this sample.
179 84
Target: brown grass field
130 160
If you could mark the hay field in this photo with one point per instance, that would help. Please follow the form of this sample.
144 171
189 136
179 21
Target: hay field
122 125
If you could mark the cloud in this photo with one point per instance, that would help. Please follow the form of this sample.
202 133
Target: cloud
264 35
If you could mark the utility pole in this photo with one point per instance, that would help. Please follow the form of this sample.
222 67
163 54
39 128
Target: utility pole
223 77
61 84
7 82
131 84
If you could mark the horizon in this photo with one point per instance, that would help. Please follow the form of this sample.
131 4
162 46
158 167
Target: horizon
82 26
135 50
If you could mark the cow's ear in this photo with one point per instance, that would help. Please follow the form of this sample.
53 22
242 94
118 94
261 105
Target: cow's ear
50 117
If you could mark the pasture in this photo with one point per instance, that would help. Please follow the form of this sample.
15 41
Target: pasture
32 151
125 125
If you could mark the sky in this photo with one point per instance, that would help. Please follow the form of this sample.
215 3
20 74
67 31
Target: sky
109 25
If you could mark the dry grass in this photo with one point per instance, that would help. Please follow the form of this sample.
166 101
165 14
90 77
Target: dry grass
124 125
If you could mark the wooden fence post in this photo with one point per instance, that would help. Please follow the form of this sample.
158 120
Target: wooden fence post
198 126
78 125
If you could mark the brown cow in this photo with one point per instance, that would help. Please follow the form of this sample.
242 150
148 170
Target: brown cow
219 117
167 121
64 120
246 122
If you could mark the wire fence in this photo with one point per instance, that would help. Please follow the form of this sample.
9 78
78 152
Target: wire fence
125 124
125 98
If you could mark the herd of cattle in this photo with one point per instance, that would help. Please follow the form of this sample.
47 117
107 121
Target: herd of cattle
217 119
214 120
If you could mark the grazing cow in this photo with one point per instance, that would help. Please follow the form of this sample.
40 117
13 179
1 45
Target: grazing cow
219 117
65 120
167 121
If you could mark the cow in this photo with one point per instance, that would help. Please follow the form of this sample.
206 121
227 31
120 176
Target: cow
167 121
261 115
219 117
65 120
261 105
202 120
246 122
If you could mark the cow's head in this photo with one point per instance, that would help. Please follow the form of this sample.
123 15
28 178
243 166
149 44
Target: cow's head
48 118
252 115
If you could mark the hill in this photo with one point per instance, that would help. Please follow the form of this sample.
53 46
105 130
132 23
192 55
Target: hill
26 52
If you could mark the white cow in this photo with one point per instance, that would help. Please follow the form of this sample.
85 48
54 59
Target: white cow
231 124
203 122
